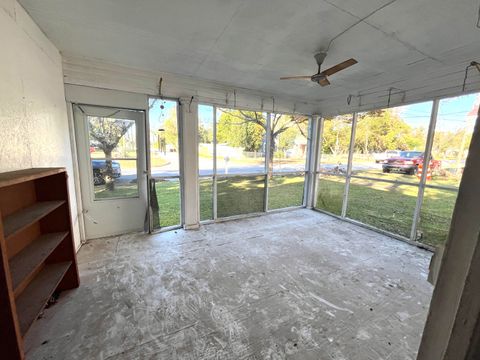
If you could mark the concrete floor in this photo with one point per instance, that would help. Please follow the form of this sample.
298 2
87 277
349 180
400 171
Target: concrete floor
292 285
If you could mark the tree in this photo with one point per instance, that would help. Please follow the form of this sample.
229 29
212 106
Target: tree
254 127
205 134
171 131
336 135
106 133
382 130
236 130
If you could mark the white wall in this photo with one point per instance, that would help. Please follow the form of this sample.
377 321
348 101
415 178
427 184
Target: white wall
33 117
94 73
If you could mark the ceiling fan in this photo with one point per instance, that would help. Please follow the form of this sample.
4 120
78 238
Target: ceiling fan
321 76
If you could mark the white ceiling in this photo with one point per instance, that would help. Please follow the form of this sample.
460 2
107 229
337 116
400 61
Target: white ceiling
251 43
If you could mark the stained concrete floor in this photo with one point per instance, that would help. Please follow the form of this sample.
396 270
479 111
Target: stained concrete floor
292 285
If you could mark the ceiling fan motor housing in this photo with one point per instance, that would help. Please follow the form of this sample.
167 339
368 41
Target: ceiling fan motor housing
318 77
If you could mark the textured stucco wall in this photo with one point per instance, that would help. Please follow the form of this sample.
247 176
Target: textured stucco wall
33 117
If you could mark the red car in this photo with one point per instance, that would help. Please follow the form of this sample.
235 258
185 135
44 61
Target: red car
407 162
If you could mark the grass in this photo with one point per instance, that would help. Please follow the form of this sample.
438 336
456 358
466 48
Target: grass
243 195
330 193
124 190
384 205
240 195
285 191
390 207
206 199
436 215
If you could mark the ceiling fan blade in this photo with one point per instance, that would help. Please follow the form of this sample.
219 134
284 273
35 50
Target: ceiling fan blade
295 77
339 67
324 82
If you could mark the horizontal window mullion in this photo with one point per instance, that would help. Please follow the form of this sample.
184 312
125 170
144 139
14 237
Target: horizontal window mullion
104 159
166 177
330 174
441 187
385 180
289 173
239 175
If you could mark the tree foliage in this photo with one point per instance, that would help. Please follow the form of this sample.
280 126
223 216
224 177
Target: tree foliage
106 134
205 134
247 129
243 129
376 131
171 131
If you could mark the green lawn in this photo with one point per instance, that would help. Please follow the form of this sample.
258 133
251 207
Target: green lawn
206 199
243 195
285 191
240 195
168 195
384 205
235 195
121 191
390 206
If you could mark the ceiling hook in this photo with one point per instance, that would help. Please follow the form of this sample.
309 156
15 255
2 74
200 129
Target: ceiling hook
160 87
190 105
472 64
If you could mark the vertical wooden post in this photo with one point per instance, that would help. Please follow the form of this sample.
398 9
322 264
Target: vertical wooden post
451 331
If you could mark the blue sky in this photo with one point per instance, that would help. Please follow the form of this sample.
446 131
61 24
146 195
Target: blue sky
205 115
157 115
452 112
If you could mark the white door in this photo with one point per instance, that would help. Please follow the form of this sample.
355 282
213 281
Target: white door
112 167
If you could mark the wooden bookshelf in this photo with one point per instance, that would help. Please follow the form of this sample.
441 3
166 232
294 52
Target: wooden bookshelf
19 220
37 250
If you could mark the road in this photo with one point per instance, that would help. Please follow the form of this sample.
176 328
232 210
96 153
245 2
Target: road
169 170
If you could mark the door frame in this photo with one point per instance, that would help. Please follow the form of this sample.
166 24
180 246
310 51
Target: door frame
180 160
82 94
86 179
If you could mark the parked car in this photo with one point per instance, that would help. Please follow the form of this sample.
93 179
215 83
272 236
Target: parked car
384 156
100 166
407 162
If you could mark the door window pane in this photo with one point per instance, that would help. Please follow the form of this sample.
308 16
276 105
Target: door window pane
453 132
384 205
288 143
113 153
240 141
164 145
330 190
390 143
335 144
240 195
285 191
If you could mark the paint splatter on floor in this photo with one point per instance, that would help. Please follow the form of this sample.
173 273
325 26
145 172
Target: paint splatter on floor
281 286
